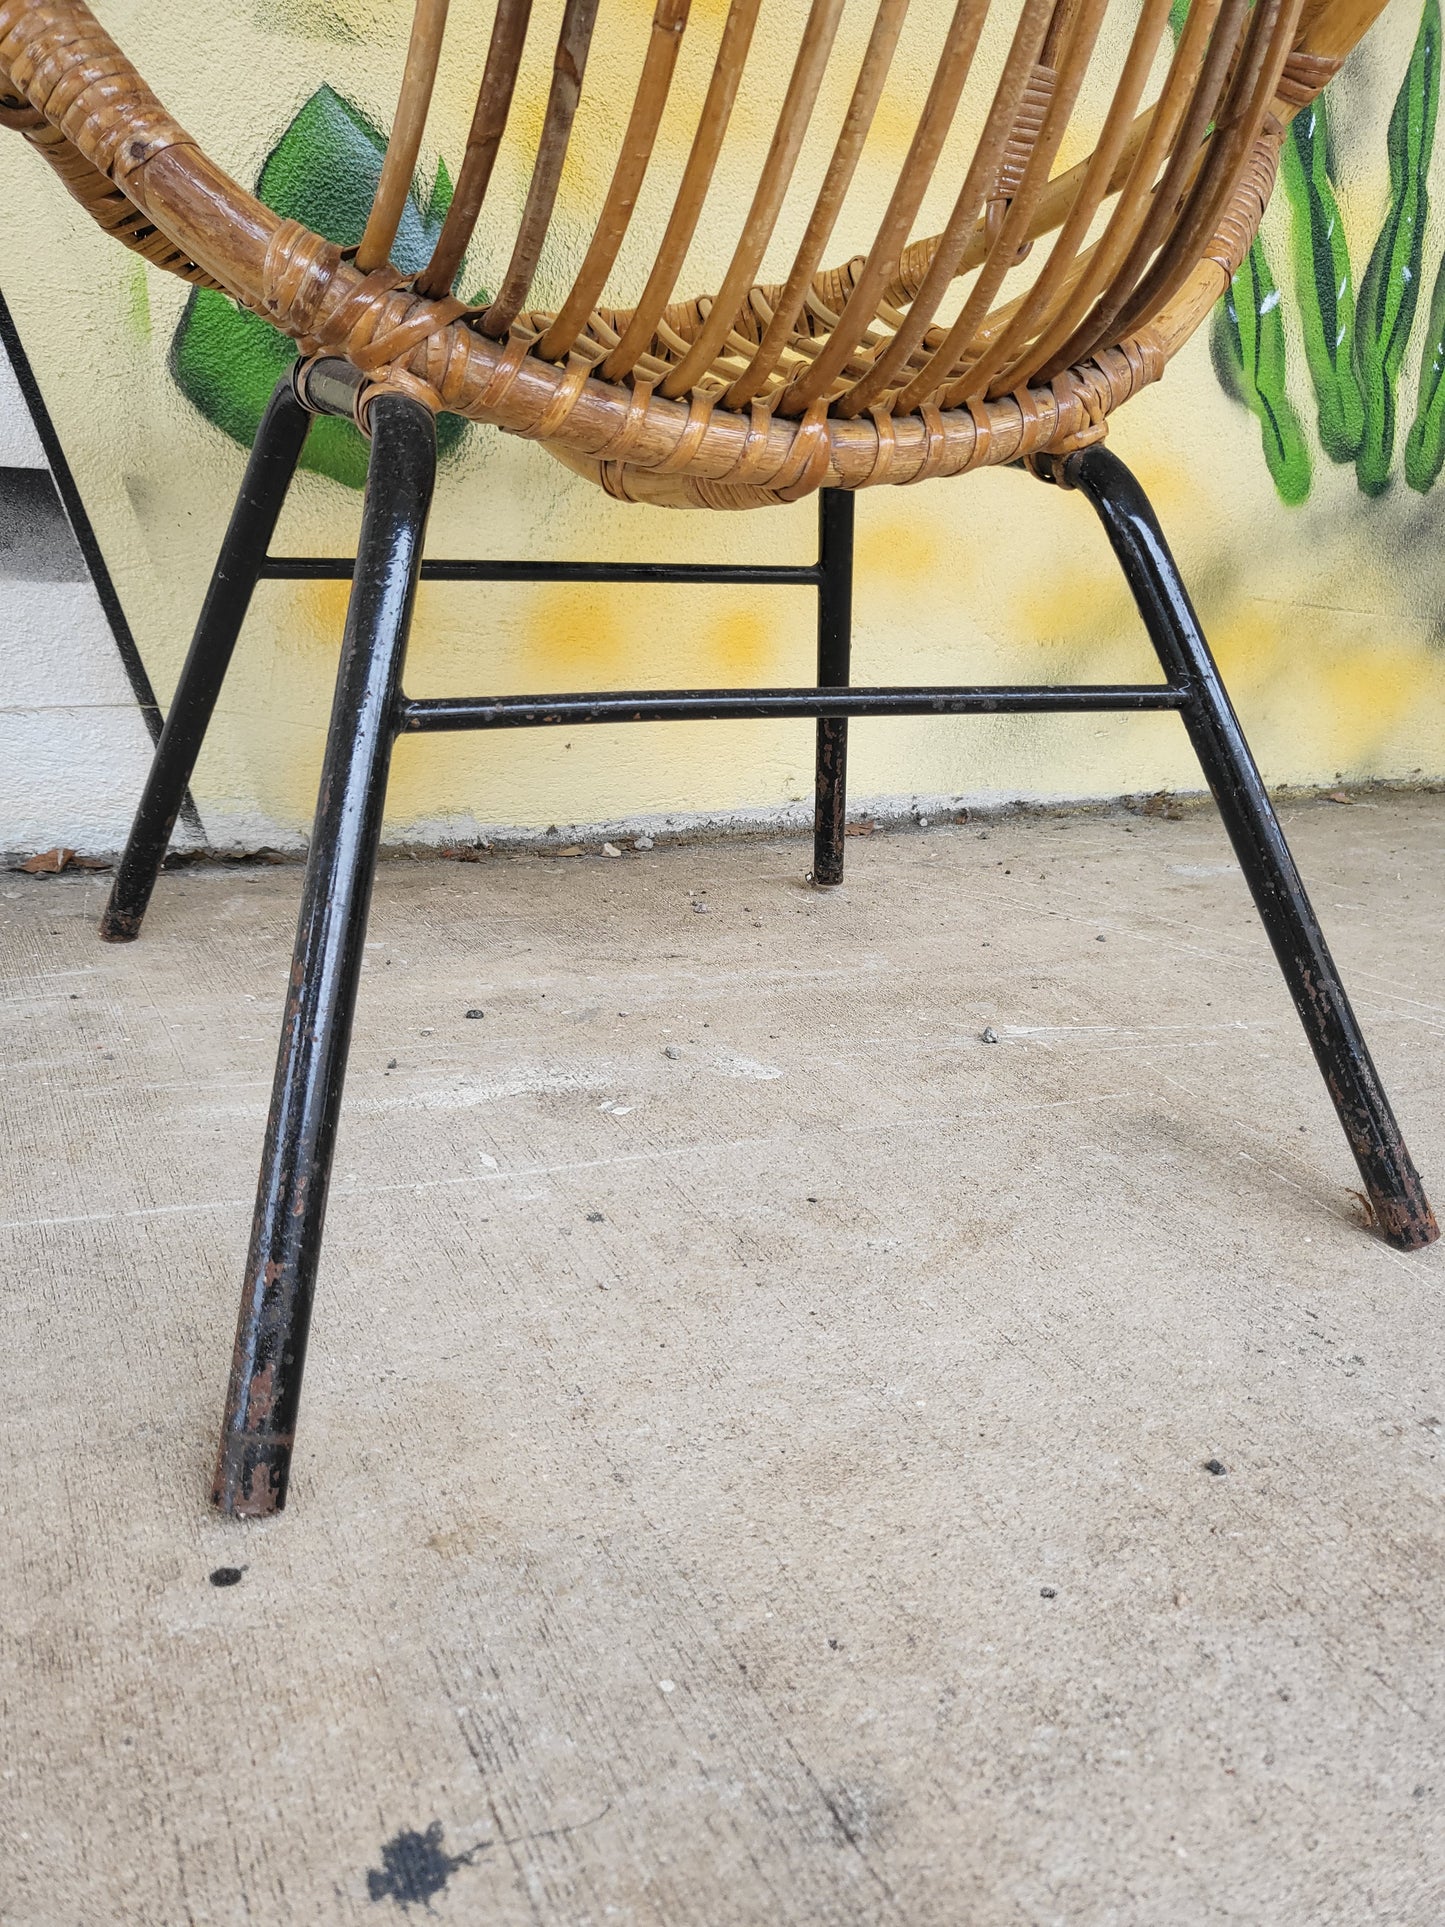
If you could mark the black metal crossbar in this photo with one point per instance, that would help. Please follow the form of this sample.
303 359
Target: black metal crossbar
341 568
729 705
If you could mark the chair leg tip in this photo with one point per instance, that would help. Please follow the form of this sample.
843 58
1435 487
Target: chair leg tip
1406 1224
252 1476
120 920
1416 1236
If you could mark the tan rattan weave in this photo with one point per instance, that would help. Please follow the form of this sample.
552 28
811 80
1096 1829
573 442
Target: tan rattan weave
841 376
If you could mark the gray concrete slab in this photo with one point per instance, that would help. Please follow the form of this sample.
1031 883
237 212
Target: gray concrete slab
752 1468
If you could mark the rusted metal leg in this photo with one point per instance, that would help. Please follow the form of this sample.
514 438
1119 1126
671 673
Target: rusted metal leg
835 643
265 1390
1401 1209
264 487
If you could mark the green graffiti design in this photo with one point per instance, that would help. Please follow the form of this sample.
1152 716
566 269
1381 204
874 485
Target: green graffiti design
323 172
1322 284
1246 340
1391 284
1425 444
1353 348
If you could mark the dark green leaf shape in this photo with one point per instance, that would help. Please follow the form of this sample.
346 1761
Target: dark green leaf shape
1246 341
324 172
1391 284
227 360
1425 444
1322 282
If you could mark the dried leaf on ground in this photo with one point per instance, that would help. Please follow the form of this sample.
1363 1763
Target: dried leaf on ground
47 863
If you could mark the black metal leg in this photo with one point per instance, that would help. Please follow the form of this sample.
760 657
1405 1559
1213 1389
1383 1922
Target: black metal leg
1401 1208
265 1389
274 456
835 644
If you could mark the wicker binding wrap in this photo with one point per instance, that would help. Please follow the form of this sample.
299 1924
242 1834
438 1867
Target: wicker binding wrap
838 375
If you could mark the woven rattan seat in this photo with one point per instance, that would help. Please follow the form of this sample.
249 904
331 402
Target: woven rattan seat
841 375
1049 295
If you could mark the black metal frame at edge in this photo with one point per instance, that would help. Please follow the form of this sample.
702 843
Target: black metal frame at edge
89 546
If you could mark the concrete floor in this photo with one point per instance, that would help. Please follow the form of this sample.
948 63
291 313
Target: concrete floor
753 1461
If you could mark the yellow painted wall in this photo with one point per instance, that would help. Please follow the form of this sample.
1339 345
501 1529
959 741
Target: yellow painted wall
1326 616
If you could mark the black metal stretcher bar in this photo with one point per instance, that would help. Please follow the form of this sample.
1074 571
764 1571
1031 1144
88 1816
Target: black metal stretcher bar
341 568
727 705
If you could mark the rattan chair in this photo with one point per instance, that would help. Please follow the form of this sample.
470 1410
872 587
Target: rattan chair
833 379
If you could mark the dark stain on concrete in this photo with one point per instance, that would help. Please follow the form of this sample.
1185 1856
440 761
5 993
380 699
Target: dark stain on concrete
414 1868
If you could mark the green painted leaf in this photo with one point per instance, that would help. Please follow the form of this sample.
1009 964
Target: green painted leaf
1323 286
1391 285
438 205
323 172
1246 341
1425 444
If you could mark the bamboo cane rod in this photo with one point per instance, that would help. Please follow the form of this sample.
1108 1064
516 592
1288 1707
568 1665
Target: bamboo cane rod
489 123
1081 31
102 200
569 66
947 251
398 169
1166 200
913 180
692 193
1255 83
877 59
994 371
668 23
783 151
1141 163
1333 27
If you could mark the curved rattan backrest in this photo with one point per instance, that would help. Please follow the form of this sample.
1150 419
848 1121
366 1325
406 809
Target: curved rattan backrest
917 356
